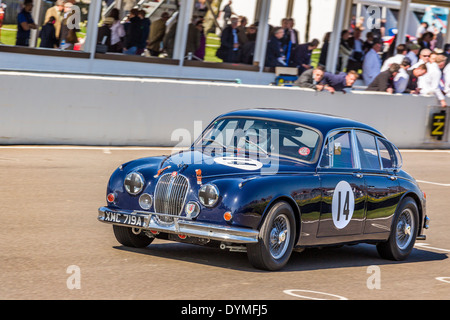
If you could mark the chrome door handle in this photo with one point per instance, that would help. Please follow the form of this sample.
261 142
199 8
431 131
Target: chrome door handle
393 178
358 175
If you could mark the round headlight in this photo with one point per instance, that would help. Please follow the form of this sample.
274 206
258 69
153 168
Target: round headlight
208 195
145 201
134 183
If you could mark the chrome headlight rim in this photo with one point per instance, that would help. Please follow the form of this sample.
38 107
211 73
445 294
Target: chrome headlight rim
146 201
137 176
203 191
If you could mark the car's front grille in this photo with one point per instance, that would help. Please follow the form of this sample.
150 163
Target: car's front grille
170 195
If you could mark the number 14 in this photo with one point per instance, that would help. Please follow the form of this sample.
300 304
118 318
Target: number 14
346 209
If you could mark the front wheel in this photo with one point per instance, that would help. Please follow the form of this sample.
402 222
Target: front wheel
128 238
276 239
403 233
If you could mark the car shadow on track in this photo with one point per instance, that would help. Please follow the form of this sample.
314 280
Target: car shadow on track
310 259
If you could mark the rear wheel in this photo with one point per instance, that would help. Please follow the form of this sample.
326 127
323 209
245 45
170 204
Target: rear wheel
127 237
276 239
403 233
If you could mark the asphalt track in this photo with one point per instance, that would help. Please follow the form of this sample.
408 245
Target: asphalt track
53 247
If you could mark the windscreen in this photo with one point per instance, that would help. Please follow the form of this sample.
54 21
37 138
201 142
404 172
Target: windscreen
261 137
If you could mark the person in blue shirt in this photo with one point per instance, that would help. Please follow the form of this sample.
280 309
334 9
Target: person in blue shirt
301 56
24 24
340 81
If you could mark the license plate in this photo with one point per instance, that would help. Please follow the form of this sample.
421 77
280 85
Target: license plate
127 219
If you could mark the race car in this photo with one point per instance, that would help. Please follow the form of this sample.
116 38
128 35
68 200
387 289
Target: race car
270 181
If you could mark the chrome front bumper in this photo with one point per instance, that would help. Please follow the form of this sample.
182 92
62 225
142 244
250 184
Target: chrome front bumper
146 221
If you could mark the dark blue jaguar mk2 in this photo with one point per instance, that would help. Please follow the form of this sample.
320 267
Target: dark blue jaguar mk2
269 181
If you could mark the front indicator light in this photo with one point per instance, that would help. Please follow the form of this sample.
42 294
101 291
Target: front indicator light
111 197
227 216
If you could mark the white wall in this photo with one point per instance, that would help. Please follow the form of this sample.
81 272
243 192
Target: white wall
94 110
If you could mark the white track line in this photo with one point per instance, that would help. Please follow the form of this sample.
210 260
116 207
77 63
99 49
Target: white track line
426 246
435 183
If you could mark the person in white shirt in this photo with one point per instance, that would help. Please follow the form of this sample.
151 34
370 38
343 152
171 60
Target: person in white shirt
432 82
447 80
424 57
402 77
372 63
398 58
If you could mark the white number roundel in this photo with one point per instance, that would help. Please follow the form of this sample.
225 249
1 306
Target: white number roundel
343 204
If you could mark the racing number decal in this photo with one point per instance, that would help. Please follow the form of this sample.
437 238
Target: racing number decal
343 204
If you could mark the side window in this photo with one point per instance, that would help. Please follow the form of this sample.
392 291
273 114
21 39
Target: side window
390 157
367 150
337 152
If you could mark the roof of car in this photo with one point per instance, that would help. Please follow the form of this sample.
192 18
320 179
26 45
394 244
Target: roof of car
321 122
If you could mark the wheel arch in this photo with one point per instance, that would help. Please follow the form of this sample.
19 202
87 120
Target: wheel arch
418 202
295 208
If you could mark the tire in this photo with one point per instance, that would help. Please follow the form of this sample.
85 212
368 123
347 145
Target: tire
276 239
403 232
126 237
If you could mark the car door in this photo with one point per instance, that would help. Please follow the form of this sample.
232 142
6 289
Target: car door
343 187
378 162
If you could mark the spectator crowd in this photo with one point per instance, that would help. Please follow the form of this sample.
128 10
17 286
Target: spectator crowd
417 65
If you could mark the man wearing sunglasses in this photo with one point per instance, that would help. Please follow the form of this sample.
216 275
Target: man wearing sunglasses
424 58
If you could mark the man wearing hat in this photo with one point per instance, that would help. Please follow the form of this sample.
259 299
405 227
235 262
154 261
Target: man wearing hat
413 53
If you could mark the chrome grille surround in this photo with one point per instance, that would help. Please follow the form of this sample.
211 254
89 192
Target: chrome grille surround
170 197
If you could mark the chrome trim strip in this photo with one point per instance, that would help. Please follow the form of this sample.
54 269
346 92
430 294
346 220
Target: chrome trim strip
355 152
187 227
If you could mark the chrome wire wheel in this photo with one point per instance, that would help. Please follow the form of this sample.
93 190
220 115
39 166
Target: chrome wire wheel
279 236
405 228
403 232
276 238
